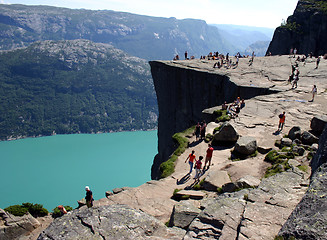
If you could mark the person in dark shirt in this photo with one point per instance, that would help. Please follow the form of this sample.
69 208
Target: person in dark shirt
88 197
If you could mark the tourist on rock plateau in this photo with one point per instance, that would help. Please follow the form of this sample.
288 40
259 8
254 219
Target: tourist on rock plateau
281 122
208 156
191 158
198 166
314 92
89 197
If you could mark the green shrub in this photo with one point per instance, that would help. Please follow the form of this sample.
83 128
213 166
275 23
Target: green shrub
220 190
277 168
168 167
217 129
304 168
36 210
57 213
178 197
208 138
221 116
16 210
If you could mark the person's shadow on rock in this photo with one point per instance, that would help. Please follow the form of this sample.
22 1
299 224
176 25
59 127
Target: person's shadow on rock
183 179
276 133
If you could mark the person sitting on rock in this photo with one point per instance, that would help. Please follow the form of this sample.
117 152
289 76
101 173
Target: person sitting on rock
62 210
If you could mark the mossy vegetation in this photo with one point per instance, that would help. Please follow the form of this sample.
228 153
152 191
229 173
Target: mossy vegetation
292 26
181 141
57 213
221 116
179 197
279 161
208 138
36 210
304 168
199 186
284 238
235 156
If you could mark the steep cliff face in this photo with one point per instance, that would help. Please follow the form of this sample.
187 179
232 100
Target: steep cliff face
305 30
308 220
183 93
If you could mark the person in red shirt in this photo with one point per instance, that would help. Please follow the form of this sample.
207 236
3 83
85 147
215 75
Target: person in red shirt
281 122
191 158
208 156
198 166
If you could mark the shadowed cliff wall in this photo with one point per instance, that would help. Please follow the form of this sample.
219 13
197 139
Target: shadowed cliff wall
182 94
305 30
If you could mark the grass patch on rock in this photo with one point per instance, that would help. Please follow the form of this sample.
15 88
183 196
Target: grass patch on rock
221 116
181 141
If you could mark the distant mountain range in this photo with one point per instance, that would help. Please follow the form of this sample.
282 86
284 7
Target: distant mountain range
58 73
75 86
246 39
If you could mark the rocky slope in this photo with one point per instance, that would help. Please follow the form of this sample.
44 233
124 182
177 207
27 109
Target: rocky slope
74 86
141 36
305 30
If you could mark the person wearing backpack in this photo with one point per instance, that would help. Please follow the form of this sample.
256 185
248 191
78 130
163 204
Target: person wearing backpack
281 121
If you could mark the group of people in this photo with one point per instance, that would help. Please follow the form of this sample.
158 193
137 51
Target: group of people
234 108
200 130
197 163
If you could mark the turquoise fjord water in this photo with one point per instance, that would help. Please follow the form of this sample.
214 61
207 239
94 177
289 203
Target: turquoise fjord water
55 170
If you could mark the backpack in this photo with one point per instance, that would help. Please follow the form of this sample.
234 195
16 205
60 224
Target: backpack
281 115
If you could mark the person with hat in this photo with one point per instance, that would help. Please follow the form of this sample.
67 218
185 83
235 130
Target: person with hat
89 197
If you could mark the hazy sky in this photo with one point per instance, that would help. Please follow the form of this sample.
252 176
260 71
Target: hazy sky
260 13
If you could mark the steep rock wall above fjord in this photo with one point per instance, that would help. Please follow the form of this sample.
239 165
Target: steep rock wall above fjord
183 92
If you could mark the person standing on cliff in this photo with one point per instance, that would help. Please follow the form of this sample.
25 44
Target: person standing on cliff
314 92
198 166
281 121
317 62
89 197
191 158
203 130
185 55
208 156
197 131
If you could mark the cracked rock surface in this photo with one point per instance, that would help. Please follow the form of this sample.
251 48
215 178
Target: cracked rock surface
109 222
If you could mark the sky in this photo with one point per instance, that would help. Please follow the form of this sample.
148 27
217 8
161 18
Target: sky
259 13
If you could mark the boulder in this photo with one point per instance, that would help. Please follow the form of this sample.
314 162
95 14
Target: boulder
109 222
118 190
294 133
308 138
183 214
246 145
14 227
191 194
318 123
215 179
286 142
314 147
248 182
245 182
226 134
299 150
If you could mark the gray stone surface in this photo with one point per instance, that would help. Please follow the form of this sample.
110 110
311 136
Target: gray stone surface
318 123
191 193
246 145
299 150
308 138
295 133
13 227
183 214
286 142
226 134
108 222
308 220
215 179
